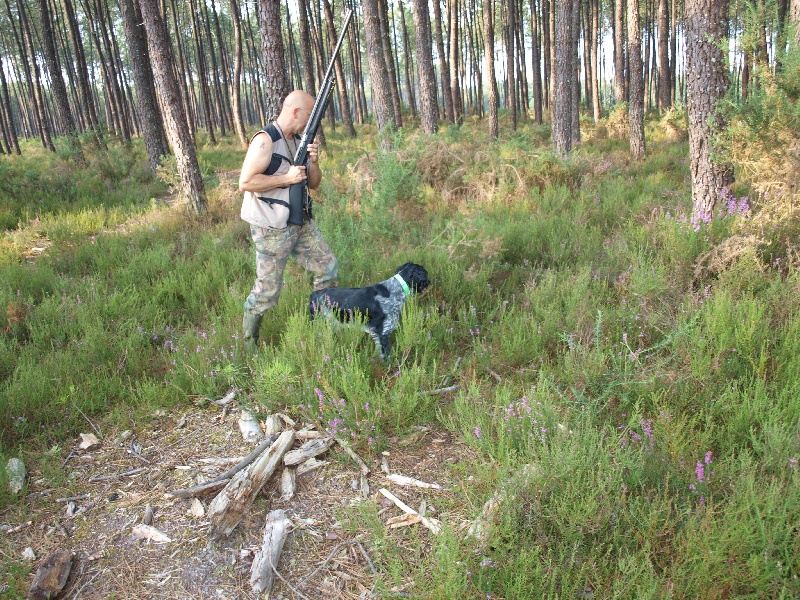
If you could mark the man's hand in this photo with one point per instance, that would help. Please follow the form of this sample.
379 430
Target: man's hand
296 174
313 151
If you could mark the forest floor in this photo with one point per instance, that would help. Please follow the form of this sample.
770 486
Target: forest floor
110 562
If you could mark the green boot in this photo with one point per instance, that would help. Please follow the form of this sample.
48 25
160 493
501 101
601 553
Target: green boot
250 326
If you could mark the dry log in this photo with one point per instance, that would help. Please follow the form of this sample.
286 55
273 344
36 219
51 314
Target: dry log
147 532
288 483
230 505
266 560
251 430
51 576
432 524
90 442
118 475
308 434
273 424
308 450
310 465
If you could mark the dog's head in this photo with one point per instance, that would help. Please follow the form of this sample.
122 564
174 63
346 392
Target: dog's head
415 276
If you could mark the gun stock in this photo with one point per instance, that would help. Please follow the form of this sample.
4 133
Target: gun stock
299 198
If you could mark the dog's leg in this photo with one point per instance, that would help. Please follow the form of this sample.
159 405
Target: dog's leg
386 349
377 339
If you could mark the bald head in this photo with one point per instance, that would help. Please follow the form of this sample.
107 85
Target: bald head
295 112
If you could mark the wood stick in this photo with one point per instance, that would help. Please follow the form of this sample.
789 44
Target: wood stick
443 390
198 490
73 498
353 455
275 532
308 450
118 475
432 524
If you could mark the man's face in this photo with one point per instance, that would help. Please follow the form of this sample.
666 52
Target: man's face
303 114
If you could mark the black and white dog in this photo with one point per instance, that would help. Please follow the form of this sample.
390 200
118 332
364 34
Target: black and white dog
379 304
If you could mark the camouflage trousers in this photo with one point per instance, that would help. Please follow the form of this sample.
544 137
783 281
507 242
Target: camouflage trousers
273 249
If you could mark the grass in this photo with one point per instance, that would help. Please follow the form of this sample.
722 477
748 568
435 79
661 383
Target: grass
659 404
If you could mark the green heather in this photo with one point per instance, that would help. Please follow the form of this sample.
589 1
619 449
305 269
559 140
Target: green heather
596 334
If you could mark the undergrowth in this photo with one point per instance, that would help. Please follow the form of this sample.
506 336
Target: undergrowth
634 396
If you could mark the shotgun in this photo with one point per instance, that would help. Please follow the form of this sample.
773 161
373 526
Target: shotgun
299 198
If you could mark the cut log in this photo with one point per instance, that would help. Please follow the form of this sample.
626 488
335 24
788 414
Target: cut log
308 434
288 483
273 424
251 430
265 563
51 576
231 504
146 532
308 450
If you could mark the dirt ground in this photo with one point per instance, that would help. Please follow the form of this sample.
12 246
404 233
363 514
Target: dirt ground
95 520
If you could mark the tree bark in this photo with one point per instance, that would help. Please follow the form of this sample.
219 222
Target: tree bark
453 39
82 73
619 51
341 82
444 68
596 106
636 93
706 71
488 44
512 64
562 97
12 132
664 95
391 74
174 115
795 17
238 121
155 138
379 77
429 112
537 63
575 68
273 52
407 63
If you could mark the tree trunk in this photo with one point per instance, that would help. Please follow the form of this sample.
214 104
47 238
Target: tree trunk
12 133
537 63
619 51
36 87
795 17
273 52
636 93
488 45
453 39
174 115
512 63
341 82
429 113
706 70
391 74
562 97
155 138
379 77
664 96
238 122
547 89
575 67
596 106
444 68
57 81
407 62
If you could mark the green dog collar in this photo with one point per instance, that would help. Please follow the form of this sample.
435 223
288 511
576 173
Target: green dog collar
403 284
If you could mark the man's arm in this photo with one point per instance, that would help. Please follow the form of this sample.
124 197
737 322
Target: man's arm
256 161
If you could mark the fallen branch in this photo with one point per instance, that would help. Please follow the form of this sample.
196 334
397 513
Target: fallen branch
308 450
364 468
118 475
222 480
18 527
403 480
443 390
432 524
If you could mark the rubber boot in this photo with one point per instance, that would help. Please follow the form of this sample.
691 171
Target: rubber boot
250 326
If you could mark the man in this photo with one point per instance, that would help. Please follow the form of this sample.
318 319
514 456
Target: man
267 173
